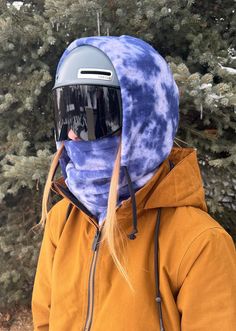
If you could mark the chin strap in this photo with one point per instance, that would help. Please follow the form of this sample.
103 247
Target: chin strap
132 235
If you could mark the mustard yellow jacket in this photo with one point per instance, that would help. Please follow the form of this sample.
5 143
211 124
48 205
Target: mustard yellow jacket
77 287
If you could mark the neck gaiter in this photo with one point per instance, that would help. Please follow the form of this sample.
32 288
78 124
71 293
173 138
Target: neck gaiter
87 167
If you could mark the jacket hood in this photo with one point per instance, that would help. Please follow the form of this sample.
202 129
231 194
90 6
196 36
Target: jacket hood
177 183
150 100
182 186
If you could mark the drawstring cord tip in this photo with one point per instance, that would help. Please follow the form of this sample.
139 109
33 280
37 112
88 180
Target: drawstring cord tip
132 235
158 299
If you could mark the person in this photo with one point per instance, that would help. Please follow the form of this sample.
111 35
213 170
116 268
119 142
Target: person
130 246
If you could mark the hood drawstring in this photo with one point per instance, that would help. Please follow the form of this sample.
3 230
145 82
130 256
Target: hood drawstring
156 260
132 235
156 263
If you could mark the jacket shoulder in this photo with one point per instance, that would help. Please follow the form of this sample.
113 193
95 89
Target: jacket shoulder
192 221
190 227
206 281
212 248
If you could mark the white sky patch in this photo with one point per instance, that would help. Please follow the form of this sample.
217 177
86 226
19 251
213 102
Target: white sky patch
17 4
205 86
215 96
230 70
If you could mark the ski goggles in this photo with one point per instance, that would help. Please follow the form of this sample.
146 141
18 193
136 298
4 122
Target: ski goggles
90 111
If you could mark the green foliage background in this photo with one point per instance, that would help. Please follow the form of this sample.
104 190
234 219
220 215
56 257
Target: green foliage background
197 40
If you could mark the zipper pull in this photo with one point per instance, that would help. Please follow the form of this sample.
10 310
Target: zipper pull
96 240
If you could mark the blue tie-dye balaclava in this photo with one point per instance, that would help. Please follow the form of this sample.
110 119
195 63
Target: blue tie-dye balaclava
150 102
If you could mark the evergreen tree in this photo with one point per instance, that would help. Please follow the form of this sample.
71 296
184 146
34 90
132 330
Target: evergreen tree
197 40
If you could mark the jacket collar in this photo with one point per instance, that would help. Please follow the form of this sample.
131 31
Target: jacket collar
180 186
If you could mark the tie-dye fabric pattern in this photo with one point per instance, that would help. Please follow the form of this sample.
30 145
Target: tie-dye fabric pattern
150 102
88 166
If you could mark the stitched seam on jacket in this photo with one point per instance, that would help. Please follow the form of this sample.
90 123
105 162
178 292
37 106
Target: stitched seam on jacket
51 236
188 248
49 229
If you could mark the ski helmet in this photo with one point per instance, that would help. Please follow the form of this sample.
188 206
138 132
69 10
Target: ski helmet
86 96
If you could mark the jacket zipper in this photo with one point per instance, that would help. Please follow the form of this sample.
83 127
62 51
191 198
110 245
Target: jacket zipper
95 247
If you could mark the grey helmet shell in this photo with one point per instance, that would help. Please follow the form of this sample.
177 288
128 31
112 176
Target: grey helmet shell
86 65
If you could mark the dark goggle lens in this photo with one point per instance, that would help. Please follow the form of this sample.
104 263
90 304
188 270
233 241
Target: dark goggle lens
91 112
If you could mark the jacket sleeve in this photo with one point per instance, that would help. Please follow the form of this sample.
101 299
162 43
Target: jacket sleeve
207 283
41 295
